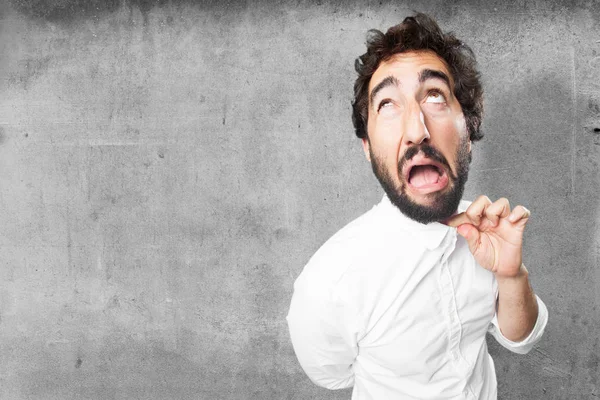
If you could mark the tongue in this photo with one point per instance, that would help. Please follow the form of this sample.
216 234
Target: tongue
422 175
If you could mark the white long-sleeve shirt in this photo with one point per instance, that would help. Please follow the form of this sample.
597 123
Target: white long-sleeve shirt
399 310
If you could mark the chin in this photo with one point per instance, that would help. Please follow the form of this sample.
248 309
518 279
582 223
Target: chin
425 208
427 212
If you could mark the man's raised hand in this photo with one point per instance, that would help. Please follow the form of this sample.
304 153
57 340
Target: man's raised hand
494 234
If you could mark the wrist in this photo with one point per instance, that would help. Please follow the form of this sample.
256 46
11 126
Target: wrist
521 275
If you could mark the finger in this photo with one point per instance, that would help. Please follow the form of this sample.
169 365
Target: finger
471 234
472 215
476 210
520 213
498 209
457 220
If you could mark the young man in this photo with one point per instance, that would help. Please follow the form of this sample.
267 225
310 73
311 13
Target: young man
398 302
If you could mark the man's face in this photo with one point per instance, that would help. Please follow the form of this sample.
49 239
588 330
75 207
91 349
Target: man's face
417 142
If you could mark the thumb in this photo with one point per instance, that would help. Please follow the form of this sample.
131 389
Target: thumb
471 234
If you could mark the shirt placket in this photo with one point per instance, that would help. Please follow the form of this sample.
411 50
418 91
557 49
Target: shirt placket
448 294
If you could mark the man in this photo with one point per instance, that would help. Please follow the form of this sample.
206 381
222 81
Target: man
398 302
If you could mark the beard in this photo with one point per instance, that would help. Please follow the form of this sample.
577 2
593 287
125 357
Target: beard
444 203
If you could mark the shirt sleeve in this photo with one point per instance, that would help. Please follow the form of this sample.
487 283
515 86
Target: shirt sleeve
525 345
321 336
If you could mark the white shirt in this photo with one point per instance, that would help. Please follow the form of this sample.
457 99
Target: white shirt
399 310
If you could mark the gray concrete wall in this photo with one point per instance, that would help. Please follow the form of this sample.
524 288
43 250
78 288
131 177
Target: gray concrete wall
167 168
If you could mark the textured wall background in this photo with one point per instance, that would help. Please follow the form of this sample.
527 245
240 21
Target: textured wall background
167 168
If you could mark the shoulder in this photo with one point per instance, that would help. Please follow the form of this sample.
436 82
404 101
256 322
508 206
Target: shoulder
347 249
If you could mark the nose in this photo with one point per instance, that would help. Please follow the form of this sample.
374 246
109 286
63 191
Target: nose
416 129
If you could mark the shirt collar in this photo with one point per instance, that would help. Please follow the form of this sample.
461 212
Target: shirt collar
431 235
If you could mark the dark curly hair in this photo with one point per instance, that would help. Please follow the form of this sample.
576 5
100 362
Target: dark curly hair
420 32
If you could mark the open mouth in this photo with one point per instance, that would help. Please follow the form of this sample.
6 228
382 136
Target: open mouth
426 176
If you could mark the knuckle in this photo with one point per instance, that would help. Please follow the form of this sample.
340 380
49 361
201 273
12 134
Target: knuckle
489 211
472 213
482 199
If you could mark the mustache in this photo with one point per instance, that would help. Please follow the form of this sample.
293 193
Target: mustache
429 152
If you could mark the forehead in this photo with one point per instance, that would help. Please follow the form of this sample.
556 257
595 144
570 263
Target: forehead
407 66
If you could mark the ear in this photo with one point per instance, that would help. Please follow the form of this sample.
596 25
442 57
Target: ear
470 145
366 148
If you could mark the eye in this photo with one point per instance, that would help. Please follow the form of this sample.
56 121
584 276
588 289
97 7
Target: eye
435 96
384 103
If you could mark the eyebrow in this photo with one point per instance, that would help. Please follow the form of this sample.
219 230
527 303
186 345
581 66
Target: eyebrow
427 74
388 81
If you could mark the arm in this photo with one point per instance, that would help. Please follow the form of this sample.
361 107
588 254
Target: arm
321 333
494 234
525 345
517 306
